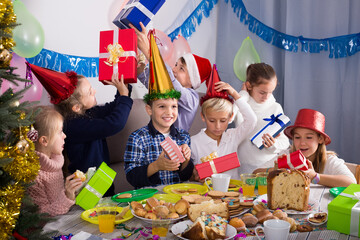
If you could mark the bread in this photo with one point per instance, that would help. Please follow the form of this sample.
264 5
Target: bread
140 212
238 224
264 215
280 214
173 215
181 206
79 174
288 189
125 195
136 205
151 203
249 220
150 215
208 207
214 226
161 211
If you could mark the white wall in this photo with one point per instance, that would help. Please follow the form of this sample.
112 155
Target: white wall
73 26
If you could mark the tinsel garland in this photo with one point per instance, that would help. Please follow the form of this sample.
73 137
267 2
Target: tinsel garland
156 95
7 19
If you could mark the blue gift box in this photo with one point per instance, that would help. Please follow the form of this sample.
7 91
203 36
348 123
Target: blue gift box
136 11
274 125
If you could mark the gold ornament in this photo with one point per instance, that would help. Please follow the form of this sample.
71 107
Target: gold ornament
15 103
5 56
22 145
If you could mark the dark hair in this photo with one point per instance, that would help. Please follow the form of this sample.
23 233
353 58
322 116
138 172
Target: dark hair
259 73
182 60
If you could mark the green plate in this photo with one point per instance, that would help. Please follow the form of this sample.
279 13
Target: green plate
171 198
137 195
185 186
336 191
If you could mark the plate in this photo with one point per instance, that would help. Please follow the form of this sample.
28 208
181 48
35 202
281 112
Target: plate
336 191
232 181
149 221
316 224
245 210
137 195
180 227
311 207
184 186
86 216
171 198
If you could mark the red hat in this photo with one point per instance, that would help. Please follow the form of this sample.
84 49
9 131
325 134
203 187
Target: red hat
310 119
199 69
59 85
211 92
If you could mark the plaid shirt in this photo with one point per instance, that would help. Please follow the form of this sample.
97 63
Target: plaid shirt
143 147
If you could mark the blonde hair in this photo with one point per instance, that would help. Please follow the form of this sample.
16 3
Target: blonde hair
46 121
217 105
65 107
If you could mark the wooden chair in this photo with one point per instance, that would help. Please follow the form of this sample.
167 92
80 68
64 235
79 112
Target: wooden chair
355 169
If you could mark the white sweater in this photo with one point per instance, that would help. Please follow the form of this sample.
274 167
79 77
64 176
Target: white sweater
250 156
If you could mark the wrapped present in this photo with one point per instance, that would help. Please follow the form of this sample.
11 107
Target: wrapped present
274 126
293 160
117 53
218 165
136 11
172 150
90 195
344 211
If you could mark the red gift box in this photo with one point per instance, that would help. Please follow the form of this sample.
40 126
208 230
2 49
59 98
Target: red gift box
172 150
218 165
126 55
295 160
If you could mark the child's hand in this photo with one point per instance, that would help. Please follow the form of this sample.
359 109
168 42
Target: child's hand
140 63
186 151
310 172
195 176
71 185
119 84
163 163
223 86
142 40
268 140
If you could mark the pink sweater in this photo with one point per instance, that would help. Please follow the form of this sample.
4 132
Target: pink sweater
48 192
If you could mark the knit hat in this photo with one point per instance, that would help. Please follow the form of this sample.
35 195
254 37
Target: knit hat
59 85
160 85
310 119
199 69
211 92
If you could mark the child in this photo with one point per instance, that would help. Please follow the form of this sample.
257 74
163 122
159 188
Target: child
216 112
145 161
48 191
308 135
86 125
260 82
189 72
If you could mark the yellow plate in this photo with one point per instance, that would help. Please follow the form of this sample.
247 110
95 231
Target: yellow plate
86 216
170 198
185 186
232 181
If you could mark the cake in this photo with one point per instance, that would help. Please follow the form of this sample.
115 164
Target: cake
79 174
208 207
207 226
288 189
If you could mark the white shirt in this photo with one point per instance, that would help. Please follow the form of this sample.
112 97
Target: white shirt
202 145
250 156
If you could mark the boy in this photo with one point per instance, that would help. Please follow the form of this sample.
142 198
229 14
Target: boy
216 112
145 161
189 72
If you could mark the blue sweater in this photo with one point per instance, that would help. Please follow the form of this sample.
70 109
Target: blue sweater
85 141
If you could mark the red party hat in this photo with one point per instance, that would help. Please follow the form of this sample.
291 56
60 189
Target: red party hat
59 85
211 92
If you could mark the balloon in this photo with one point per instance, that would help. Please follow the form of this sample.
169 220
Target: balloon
245 56
34 93
29 36
181 47
164 44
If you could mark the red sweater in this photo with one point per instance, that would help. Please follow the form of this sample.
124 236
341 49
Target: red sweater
48 192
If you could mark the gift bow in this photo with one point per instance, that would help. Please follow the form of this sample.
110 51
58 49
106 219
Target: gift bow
271 121
116 51
355 213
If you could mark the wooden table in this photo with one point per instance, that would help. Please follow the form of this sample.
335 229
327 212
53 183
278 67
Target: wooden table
72 222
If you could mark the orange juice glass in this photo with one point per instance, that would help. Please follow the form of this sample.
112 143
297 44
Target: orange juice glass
160 227
106 217
248 184
261 179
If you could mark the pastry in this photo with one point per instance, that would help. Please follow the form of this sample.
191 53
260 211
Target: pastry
280 214
318 218
238 224
216 194
181 206
150 215
232 194
249 220
140 212
202 199
136 205
125 195
304 228
264 215
292 222
79 174
173 215
208 207
161 211
151 203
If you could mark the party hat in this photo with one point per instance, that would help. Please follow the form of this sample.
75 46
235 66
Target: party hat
211 92
59 85
160 85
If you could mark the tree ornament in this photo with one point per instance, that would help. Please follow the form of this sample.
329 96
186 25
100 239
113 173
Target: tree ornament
5 55
33 134
22 145
15 103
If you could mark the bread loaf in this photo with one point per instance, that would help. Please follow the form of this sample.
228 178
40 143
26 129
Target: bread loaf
208 207
288 189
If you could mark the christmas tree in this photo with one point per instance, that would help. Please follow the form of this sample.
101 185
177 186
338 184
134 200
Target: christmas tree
19 164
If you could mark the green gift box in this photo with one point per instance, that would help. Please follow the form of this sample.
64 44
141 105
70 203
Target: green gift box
90 195
344 212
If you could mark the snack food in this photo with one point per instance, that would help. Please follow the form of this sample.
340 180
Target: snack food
208 207
181 206
293 224
280 214
81 175
318 217
249 220
185 191
125 195
288 189
304 228
264 215
238 224
216 194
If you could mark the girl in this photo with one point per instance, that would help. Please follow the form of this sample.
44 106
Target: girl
49 191
86 125
216 112
308 135
260 83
